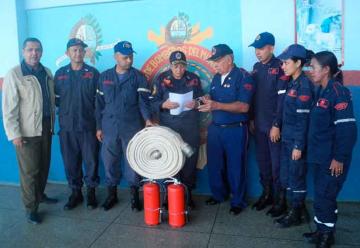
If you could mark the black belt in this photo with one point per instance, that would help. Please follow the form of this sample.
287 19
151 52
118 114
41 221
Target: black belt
236 124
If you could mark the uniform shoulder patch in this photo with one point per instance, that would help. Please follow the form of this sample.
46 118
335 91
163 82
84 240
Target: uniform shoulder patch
248 86
341 106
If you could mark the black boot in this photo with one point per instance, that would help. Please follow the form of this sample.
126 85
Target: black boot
111 199
279 207
292 218
91 198
190 201
135 200
312 237
75 199
264 200
326 240
305 216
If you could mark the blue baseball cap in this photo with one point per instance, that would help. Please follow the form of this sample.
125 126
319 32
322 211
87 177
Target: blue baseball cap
75 42
124 47
263 39
219 51
294 50
177 57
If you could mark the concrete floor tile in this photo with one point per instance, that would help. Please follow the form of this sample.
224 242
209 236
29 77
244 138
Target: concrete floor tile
217 240
9 217
130 237
10 197
53 232
81 212
252 223
201 219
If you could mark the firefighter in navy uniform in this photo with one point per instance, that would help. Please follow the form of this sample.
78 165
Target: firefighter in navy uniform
331 139
75 91
122 109
231 91
270 90
179 80
296 109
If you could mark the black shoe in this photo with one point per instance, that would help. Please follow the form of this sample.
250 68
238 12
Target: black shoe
135 200
312 237
265 199
211 201
276 210
190 201
326 240
75 199
305 216
111 199
279 208
48 200
33 218
235 210
292 218
91 202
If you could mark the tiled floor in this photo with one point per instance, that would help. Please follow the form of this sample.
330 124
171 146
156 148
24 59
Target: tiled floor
209 226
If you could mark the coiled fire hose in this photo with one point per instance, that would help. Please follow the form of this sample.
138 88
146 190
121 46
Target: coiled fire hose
157 152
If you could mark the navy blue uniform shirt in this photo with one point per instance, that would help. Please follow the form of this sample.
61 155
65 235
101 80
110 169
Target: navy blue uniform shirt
165 84
238 86
122 105
296 109
332 128
75 93
270 90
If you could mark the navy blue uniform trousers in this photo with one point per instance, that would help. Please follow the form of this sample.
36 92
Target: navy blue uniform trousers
268 158
293 175
112 151
327 188
78 146
226 149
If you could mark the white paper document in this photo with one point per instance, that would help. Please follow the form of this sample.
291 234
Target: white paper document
181 99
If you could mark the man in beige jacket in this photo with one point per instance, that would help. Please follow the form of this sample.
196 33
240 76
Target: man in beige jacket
28 115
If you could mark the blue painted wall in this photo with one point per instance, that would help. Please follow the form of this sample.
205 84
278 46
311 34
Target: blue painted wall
236 23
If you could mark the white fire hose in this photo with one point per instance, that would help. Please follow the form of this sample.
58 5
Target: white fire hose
157 152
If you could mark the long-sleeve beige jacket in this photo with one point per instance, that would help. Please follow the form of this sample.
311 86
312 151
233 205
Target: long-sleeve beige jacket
22 104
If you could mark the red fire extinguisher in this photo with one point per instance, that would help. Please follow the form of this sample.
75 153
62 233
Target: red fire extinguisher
151 203
176 204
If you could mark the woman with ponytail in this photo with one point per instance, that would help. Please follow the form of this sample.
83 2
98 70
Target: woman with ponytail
331 139
296 109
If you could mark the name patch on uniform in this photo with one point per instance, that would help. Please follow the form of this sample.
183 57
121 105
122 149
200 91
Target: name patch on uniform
88 75
248 86
63 77
341 106
193 82
273 71
322 103
304 98
108 82
292 93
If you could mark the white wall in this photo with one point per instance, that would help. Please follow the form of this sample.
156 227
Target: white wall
38 4
274 16
9 49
